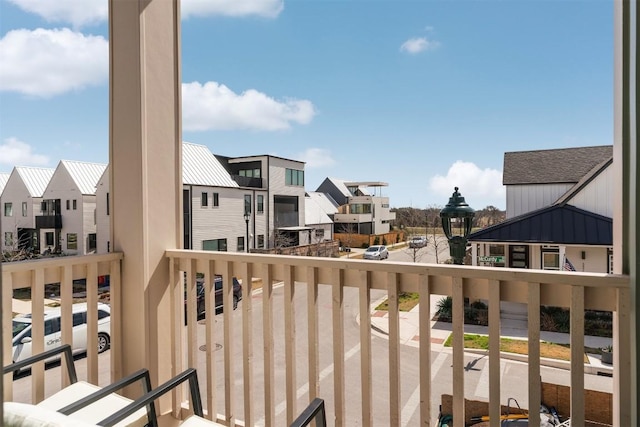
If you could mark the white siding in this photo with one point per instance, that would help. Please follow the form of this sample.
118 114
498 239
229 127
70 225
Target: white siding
15 192
225 221
63 187
597 196
277 187
103 225
526 198
89 222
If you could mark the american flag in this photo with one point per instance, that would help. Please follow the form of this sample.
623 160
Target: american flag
567 265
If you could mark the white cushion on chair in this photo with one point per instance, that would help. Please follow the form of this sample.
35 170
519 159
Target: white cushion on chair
26 415
97 411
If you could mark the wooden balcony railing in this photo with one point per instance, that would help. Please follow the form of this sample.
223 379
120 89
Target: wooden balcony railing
254 341
34 275
259 368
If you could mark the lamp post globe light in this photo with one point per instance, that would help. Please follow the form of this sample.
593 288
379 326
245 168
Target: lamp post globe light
247 215
457 212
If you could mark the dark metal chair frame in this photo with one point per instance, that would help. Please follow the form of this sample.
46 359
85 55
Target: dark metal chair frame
65 350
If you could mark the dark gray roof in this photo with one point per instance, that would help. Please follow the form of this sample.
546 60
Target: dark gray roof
564 165
557 224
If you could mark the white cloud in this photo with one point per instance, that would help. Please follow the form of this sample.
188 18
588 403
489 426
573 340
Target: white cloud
81 13
214 106
418 44
44 63
316 158
15 152
479 185
264 8
76 12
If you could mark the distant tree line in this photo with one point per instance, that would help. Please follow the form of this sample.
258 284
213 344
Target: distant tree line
430 217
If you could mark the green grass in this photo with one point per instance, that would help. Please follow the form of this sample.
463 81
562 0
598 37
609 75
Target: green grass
547 349
406 301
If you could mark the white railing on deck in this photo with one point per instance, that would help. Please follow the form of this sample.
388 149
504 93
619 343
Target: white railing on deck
64 270
578 291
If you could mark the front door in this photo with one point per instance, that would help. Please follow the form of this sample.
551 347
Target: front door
519 256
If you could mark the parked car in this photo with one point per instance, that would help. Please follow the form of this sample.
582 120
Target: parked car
52 336
237 296
418 242
376 252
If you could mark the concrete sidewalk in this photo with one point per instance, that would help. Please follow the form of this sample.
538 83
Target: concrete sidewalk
440 331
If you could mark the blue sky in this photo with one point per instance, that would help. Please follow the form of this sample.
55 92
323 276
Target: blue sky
425 95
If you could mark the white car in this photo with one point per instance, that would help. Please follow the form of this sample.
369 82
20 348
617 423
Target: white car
418 242
376 252
52 334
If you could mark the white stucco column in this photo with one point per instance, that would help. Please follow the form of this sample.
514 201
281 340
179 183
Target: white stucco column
145 155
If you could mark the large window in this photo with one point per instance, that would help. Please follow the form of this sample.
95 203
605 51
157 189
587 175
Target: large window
72 241
249 173
247 203
216 200
550 259
204 201
214 245
261 240
92 242
240 244
260 203
8 209
294 177
360 208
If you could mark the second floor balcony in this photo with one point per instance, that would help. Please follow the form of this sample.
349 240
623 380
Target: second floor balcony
304 329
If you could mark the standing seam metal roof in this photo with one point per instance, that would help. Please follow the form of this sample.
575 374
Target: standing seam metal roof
85 175
35 179
201 167
559 224
4 177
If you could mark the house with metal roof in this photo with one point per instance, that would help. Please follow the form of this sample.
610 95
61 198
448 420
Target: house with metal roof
274 195
559 210
231 204
67 219
21 202
4 177
317 207
362 209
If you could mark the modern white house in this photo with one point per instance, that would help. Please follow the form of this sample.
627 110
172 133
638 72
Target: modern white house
67 219
273 190
230 204
359 210
317 206
21 200
559 212
103 214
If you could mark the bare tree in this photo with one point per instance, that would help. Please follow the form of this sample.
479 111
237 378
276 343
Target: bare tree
416 253
348 232
282 240
435 236
15 247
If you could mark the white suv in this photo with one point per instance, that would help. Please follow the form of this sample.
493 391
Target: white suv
52 334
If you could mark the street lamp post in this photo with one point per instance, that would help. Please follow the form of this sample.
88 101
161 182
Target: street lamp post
247 215
457 211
